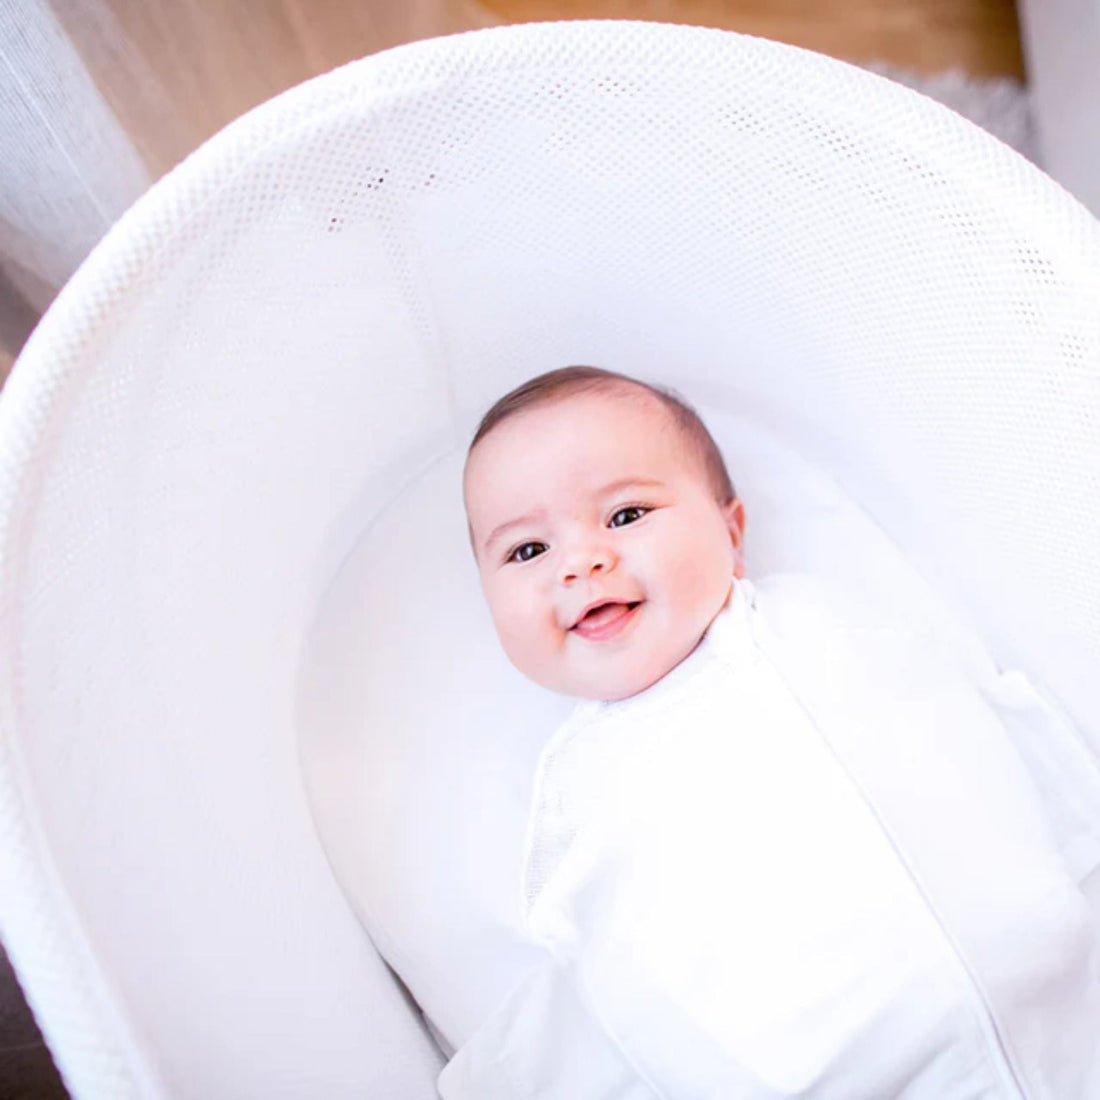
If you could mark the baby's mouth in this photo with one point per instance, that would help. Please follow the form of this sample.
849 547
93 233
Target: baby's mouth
605 619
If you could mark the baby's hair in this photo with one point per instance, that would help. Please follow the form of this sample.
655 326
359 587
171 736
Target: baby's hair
569 381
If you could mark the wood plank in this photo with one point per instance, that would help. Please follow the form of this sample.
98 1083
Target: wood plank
980 37
176 71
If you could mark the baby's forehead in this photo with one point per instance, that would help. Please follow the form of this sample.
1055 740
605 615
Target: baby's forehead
619 397
627 419
627 430
596 411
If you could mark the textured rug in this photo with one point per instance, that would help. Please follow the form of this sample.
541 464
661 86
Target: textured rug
1000 105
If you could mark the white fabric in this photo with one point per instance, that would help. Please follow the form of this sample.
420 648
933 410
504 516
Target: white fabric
285 333
1000 104
457 793
739 899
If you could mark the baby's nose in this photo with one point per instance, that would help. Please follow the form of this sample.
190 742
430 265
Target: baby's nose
581 563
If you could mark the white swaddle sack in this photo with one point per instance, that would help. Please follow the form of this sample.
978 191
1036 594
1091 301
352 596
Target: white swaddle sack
811 862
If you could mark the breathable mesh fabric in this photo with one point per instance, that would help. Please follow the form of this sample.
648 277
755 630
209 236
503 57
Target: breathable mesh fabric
320 303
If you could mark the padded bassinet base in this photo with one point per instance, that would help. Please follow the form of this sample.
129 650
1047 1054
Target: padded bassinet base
287 332
416 728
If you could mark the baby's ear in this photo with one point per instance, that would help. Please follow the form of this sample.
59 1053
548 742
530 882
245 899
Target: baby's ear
734 513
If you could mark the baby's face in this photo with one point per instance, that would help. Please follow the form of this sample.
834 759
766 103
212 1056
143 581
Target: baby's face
603 553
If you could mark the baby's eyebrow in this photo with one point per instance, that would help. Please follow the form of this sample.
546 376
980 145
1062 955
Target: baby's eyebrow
519 521
631 483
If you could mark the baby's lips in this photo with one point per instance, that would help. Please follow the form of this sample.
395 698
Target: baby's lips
591 607
600 611
607 621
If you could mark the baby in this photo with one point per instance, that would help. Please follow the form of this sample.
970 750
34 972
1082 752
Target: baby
771 853
606 530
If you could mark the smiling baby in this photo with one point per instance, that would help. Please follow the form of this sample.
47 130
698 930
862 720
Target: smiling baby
606 530
781 847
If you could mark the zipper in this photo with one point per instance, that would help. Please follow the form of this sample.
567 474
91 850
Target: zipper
995 1042
994 1038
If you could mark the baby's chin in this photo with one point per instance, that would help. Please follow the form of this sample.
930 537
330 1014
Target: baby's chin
612 685
599 681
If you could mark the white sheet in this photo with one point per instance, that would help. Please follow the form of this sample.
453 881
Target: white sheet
809 862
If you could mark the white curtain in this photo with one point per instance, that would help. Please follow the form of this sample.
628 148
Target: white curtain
67 171
69 165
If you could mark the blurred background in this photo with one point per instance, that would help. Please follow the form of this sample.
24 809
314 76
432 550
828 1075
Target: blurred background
99 98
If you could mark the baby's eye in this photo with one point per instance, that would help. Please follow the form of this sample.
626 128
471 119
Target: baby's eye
629 515
526 551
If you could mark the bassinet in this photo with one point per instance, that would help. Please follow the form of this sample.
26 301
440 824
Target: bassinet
304 320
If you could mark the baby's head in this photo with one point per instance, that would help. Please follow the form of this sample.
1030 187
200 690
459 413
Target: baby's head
605 527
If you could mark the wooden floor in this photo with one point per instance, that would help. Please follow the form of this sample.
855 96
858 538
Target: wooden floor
176 71
980 37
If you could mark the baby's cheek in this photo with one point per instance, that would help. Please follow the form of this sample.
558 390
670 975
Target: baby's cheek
528 638
701 578
693 569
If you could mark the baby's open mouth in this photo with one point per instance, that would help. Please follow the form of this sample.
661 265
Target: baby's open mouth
605 619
